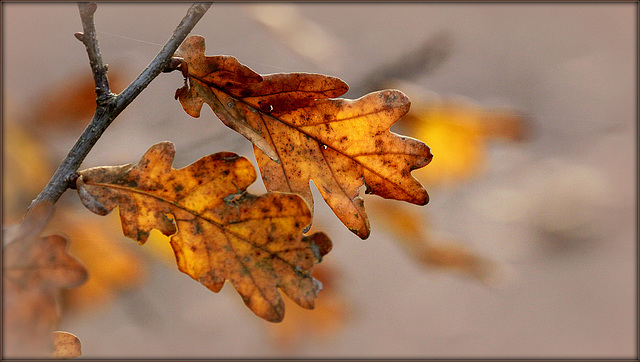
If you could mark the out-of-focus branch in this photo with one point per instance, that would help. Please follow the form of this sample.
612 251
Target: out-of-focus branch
109 106
423 59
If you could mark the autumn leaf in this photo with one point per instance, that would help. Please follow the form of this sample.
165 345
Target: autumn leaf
219 231
66 345
35 270
24 158
301 132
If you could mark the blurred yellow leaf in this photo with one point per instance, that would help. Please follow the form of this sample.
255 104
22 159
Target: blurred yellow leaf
457 134
26 170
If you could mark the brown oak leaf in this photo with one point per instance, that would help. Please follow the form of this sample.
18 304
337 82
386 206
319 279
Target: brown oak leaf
218 231
35 270
301 132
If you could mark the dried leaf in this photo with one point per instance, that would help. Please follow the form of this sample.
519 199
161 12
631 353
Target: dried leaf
35 271
66 345
219 231
300 134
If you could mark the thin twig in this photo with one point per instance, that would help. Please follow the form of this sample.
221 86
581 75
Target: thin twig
90 40
110 106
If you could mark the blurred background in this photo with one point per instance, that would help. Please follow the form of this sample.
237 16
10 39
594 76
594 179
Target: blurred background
527 249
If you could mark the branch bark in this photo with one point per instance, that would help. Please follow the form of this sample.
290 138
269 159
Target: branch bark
109 105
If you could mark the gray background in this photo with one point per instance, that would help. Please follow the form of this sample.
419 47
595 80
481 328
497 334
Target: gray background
557 212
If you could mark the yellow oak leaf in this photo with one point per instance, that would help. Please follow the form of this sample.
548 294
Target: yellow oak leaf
301 132
218 230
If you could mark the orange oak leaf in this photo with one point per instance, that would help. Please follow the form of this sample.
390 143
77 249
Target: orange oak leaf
301 132
35 271
218 231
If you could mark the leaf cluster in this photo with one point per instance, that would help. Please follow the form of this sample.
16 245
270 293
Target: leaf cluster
218 231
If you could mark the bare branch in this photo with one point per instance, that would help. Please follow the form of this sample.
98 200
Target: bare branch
90 40
108 105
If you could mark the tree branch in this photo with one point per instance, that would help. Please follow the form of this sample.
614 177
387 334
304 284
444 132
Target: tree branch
109 106
90 40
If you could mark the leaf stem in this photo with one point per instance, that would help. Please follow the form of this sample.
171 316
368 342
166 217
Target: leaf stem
109 105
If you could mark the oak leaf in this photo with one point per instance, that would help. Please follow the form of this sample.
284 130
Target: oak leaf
218 231
301 132
35 271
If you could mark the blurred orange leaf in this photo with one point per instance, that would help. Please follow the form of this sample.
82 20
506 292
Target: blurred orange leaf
35 270
72 101
457 133
113 268
219 231
300 134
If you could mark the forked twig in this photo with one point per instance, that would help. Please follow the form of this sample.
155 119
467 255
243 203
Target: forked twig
110 105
